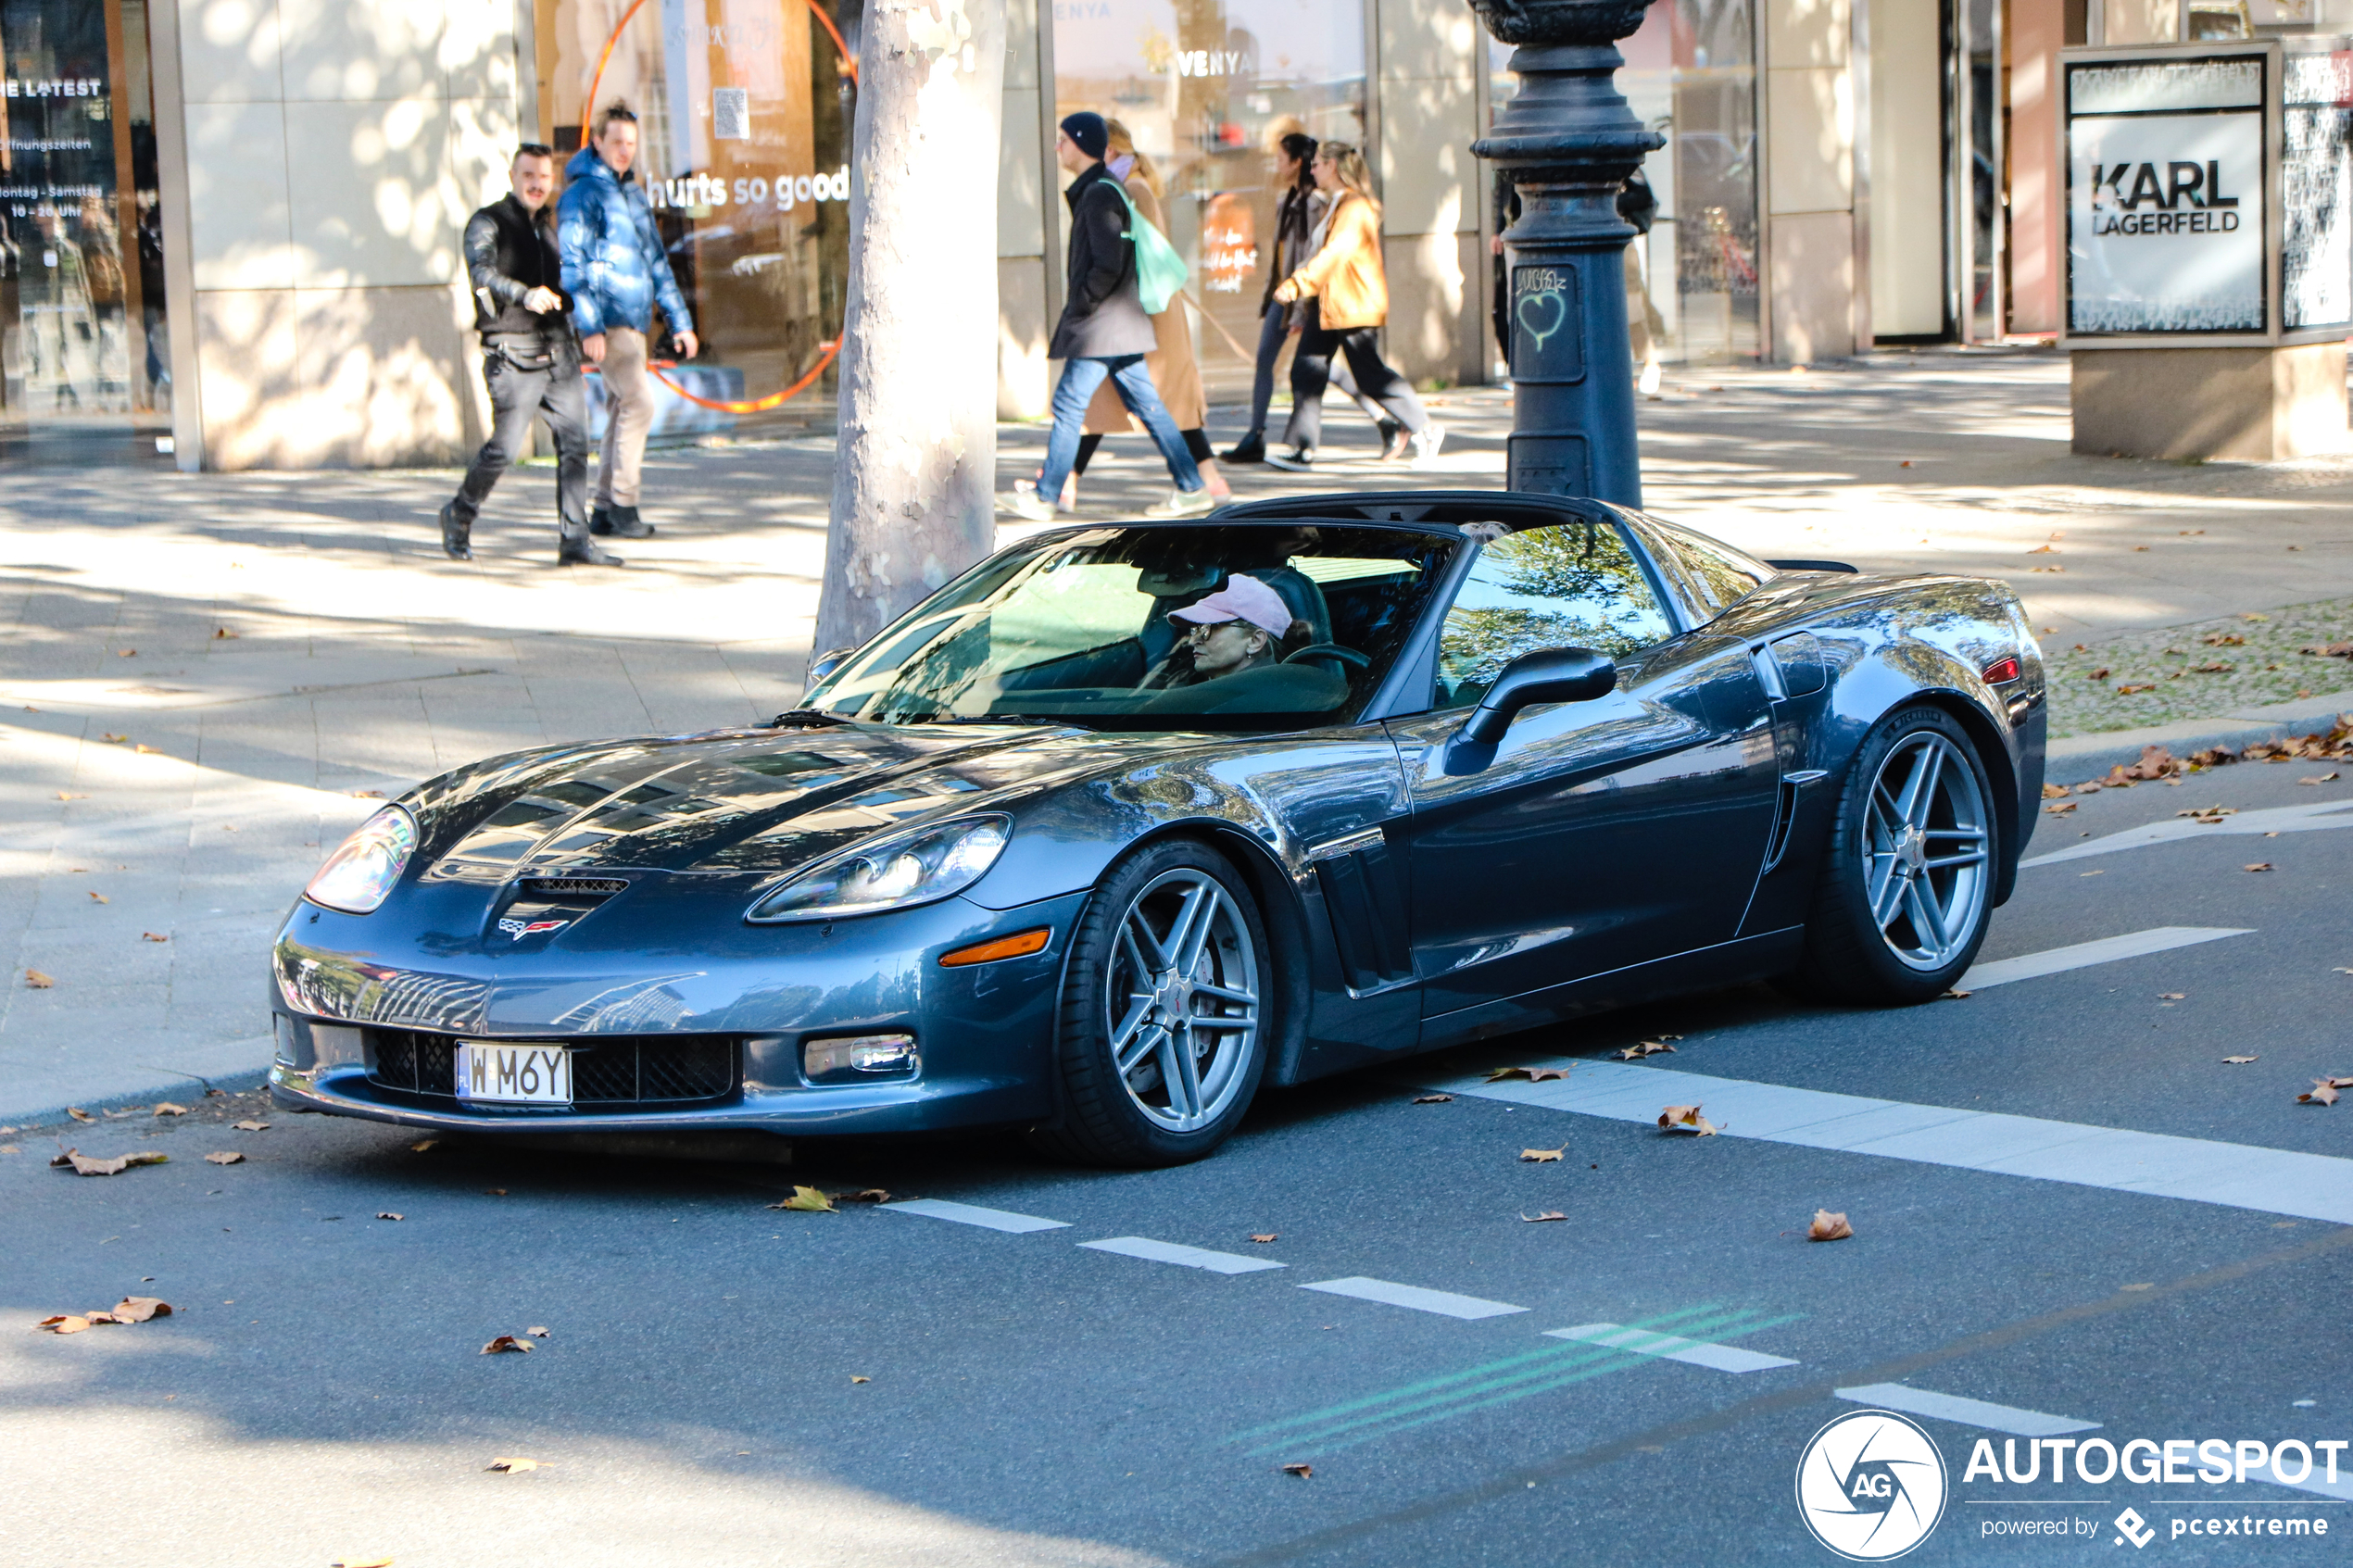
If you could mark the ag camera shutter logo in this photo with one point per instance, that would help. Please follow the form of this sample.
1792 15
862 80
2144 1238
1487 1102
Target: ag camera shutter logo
1871 1486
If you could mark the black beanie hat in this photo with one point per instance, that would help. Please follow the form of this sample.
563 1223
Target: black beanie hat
1088 133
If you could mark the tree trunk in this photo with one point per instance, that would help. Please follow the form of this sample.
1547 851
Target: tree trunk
914 482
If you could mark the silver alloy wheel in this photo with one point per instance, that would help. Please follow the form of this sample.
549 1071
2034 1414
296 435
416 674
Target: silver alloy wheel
1926 851
1181 1007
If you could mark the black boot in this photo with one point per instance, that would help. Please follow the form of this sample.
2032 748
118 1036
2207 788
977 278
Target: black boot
457 534
624 522
600 520
1251 449
578 549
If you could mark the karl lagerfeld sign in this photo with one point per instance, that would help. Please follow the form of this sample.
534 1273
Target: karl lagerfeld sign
2166 187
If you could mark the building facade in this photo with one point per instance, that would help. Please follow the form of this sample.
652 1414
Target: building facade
231 226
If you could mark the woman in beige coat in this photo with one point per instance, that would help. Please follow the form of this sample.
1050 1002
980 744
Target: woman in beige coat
1175 373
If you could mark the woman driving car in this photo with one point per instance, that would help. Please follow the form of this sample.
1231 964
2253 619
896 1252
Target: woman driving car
1244 625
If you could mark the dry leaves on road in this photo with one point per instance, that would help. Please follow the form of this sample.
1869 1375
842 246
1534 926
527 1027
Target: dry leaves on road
36 981
1953 995
1433 1099
99 898
1646 1047
1827 1226
251 1127
1262 1240
388 1214
1686 1119
225 1156
113 740
1543 1156
1547 1215
79 1114
1301 1471
2129 688
130 1308
2053 792
2218 667
2258 866
167 1107
808 1201
2209 816
2236 1061
855 1379
1533 1075
83 1165
505 1343
2319 779
153 936
2060 809
2323 1091
516 1465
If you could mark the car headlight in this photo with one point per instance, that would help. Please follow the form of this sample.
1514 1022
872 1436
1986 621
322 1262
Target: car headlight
891 874
360 876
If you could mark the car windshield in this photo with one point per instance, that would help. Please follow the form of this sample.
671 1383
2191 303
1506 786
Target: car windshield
1239 627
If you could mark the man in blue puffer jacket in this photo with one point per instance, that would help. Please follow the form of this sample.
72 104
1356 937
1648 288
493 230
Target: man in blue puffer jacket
615 272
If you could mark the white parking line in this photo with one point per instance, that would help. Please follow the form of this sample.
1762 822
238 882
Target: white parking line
1967 1412
2107 950
1641 1341
972 1214
2270 1181
2275 818
1443 1302
1187 1257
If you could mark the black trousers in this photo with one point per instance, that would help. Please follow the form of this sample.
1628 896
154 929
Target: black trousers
1311 371
517 395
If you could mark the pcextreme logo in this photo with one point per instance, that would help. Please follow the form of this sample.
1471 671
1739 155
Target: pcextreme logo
1871 1486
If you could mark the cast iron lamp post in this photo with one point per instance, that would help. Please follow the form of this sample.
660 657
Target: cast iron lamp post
1568 141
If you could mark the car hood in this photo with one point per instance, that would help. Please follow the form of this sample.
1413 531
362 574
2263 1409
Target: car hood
753 801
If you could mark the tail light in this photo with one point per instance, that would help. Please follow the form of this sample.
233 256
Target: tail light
2002 672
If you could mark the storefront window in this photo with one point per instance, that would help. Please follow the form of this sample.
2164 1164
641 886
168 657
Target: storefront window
1690 74
1205 89
744 110
83 352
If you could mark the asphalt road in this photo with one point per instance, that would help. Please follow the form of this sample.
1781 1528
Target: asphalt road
727 1383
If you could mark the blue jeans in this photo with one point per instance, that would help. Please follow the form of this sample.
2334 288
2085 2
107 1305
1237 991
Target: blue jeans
1134 384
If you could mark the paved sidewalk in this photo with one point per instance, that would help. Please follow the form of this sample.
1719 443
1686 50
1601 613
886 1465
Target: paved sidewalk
360 660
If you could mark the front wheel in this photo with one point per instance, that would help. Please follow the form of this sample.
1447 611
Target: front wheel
1163 1029
1906 884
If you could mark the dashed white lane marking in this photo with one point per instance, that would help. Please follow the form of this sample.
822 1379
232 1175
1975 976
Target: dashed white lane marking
1443 1302
1641 1341
1187 1257
2107 950
972 1214
1967 1412
2276 818
2269 1181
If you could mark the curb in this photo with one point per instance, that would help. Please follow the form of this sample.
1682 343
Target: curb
2095 753
29 1113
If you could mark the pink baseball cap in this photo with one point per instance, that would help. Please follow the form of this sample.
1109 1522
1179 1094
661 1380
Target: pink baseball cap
1243 598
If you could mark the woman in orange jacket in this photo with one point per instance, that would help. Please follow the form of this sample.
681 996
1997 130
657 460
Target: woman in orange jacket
1348 300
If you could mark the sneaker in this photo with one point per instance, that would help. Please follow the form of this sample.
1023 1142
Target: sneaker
1648 386
624 523
1024 502
1184 503
1427 441
456 537
1251 449
1393 440
1298 460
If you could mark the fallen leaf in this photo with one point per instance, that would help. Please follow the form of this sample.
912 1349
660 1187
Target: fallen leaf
514 1466
139 1309
1533 1075
808 1201
2321 779
2171 996
65 1323
2258 866
1685 1119
79 1114
1434 1100
2042 550
2061 809
251 1126
165 1108
2053 792
143 748
504 1343
1301 1471
126 653
855 1379
82 1165
224 1157
388 1214
1547 1215
2322 1092
2208 815
2236 1061
1262 1240
2099 673
493 1192
1954 995
1543 1156
153 936
62 795
2217 668
421 1145
36 981
1827 1226
222 633
539 1332
2226 640
100 899
367 794
114 740
2128 689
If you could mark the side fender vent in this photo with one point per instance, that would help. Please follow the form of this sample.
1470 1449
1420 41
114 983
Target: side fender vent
1367 912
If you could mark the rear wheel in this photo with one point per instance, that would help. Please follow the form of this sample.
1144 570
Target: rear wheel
1162 1032
1906 884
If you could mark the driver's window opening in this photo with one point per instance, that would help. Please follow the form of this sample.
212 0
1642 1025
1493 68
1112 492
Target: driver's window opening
1576 585
1258 626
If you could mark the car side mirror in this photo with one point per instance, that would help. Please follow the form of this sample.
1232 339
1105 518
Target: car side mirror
825 664
1546 675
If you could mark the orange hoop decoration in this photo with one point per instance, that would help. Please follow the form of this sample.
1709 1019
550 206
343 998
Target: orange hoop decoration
832 349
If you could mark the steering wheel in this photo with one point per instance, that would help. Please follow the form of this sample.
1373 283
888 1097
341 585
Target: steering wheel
1331 650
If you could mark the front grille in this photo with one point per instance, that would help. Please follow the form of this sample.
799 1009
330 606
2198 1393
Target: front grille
608 1072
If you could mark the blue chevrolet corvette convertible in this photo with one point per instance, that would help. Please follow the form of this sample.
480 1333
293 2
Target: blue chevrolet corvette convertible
1133 818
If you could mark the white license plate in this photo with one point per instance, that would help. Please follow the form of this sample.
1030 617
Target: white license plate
514 1074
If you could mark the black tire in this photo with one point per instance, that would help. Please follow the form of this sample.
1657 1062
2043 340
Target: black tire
1105 1118
1850 955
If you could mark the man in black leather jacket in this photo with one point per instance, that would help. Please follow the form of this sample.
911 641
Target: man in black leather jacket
530 358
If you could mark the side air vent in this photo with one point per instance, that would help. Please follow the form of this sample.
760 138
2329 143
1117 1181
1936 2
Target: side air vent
573 886
1358 880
